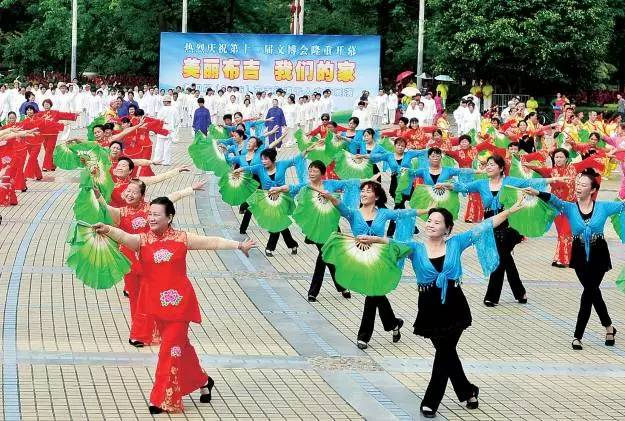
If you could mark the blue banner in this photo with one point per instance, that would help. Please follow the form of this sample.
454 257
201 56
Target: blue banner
299 64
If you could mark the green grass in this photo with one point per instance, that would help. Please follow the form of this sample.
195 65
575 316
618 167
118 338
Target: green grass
341 117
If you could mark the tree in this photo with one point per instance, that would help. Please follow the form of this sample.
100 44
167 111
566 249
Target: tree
525 43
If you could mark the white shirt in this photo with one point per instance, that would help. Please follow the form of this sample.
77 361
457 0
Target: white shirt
290 114
4 104
63 102
326 105
472 121
170 116
460 117
392 102
364 117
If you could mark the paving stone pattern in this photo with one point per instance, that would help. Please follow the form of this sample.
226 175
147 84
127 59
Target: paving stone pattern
65 352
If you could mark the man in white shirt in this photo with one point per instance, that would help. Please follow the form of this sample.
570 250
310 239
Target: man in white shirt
4 102
392 103
413 110
93 105
232 106
63 101
326 103
473 119
430 109
171 119
460 116
363 115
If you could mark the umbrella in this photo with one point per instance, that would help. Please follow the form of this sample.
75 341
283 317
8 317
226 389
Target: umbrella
444 78
424 76
403 75
410 91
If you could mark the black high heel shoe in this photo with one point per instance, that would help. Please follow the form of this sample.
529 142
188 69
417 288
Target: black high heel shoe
206 397
610 342
476 404
577 345
155 410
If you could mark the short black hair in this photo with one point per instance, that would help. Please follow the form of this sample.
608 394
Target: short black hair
170 210
447 217
131 165
270 154
319 165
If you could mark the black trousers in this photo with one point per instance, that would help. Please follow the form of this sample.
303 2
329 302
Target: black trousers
447 365
591 297
389 321
320 270
247 217
495 283
286 236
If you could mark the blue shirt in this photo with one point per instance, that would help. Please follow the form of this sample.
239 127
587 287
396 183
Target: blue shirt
26 104
201 120
123 110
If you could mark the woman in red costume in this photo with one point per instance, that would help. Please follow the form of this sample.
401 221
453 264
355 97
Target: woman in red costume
133 219
122 175
564 190
465 154
18 150
32 169
49 133
168 295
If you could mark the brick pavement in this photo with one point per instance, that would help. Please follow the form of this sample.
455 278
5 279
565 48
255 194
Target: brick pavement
273 355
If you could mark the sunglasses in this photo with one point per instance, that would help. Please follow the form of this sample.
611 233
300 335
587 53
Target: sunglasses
324 119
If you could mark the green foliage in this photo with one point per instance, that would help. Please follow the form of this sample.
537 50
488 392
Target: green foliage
535 42
523 43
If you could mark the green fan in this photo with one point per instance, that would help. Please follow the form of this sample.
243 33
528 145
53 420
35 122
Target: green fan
319 152
448 161
347 167
96 259
65 158
97 175
79 155
98 121
235 188
302 142
87 208
218 132
207 156
425 196
500 140
517 170
334 144
316 216
271 214
371 271
473 135
534 219
620 280
387 144
403 183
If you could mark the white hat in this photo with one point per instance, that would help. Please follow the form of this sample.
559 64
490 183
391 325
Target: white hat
167 98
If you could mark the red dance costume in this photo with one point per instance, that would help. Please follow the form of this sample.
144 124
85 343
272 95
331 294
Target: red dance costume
564 191
168 296
134 220
475 208
121 184
49 133
17 150
7 191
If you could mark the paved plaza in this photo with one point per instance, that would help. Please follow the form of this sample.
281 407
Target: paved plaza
65 351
